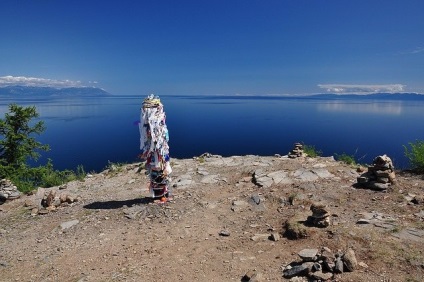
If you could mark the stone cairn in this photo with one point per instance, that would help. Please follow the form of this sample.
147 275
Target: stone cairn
8 191
380 175
321 265
50 200
320 215
297 151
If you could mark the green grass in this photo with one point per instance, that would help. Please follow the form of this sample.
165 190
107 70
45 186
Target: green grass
311 151
347 159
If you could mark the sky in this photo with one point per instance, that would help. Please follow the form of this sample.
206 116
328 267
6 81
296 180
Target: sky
207 47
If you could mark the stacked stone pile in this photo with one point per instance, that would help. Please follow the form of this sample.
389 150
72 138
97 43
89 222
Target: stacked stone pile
321 264
320 215
297 151
8 191
380 175
51 200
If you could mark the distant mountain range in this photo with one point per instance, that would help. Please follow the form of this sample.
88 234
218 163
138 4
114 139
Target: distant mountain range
43 91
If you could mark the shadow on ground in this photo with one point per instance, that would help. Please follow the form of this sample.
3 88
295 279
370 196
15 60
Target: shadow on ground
110 205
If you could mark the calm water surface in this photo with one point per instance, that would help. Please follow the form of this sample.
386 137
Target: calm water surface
94 131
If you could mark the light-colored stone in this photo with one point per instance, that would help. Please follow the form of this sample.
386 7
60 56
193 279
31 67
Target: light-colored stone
68 224
349 260
259 237
308 254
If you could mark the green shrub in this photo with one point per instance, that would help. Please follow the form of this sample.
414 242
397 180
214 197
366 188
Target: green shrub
415 154
311 151
347 159
114 168
28 178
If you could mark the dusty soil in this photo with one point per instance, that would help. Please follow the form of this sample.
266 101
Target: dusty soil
207 232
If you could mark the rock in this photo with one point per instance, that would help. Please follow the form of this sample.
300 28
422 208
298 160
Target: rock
210 179
14 195
34 211
296 270
321 276
418 200
298 279
3 196
322 173
328 259
305 175
275 236
224 233
363 264
257 203
316 267
320 215
28 203
338 268
349 260
308 254
56 202
69 199
410 234
280 177
256 199
8 191
373 185
252 276
183 182
51 208
69 224
380 174
43 211
238 205
261 179
62 198
258 237
362 179
50 198
297 151
319 210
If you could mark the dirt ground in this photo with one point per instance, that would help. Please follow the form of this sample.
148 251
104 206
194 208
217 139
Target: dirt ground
215 228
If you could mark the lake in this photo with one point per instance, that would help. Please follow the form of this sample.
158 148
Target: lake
94 131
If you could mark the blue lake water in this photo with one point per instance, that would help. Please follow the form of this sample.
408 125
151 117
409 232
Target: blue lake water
93 131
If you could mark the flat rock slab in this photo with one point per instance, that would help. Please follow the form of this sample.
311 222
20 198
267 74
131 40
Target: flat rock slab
210 179
378 220
280 177
69 224
412 234
305 175
308 254
259 237
322 173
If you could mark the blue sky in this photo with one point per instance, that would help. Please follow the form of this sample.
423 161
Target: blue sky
216 47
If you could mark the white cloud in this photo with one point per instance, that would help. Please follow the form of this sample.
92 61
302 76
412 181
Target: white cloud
36 81
362 88
417 50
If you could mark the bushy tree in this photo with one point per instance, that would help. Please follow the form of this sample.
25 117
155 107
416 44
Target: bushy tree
18 143
415 154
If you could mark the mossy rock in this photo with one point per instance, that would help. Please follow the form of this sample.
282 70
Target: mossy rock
295 228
